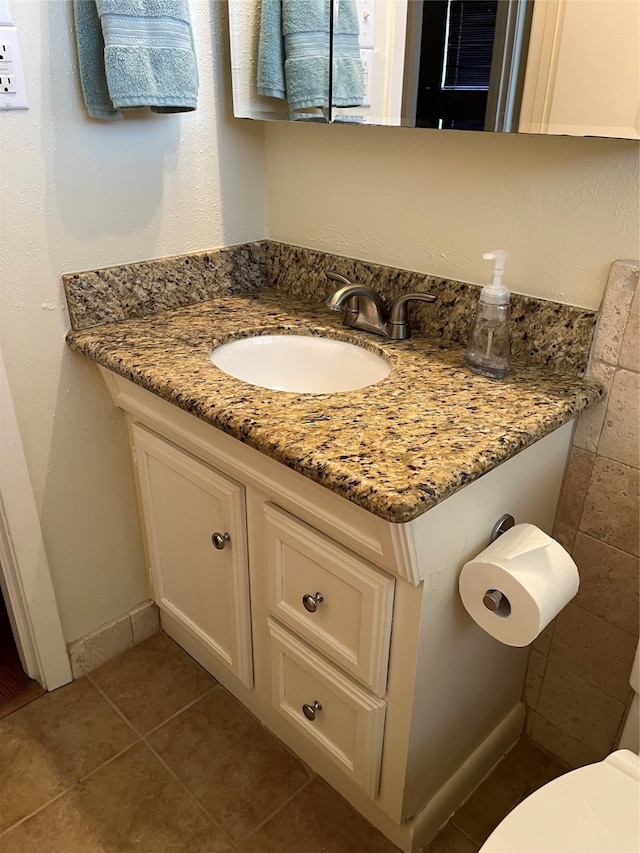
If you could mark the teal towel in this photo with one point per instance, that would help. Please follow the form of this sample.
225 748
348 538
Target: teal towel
293 58
145 50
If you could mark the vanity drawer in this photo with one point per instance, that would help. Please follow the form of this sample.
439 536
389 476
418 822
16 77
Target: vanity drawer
348 722
351 622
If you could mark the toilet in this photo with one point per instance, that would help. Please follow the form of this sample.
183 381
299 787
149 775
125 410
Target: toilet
594 809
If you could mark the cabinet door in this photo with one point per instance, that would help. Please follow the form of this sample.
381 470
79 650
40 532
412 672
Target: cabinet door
583 69
205 588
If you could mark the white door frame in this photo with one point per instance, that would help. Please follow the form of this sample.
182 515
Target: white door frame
25 578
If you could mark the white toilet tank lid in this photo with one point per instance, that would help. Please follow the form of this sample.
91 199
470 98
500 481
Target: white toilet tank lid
594 809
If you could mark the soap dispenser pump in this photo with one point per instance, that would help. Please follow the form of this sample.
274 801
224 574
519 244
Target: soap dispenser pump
489 345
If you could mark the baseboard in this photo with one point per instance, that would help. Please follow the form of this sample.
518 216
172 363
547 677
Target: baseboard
113 638
463 783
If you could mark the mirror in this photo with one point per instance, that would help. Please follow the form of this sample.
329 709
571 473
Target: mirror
498 65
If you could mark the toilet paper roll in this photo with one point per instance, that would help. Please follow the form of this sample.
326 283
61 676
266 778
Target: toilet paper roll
516 586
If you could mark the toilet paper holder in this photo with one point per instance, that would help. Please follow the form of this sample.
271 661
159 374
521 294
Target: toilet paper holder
493 599
504 523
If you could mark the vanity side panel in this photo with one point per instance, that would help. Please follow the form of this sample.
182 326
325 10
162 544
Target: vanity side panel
467 683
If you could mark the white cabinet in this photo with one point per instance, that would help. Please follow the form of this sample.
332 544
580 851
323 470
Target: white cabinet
583 69
381 682
205 588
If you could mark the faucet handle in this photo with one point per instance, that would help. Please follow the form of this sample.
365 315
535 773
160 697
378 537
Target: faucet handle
335 276
398 328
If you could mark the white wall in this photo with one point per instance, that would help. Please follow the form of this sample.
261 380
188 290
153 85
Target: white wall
78 194
434 201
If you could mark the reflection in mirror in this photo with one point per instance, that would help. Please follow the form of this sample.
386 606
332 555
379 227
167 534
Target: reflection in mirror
443 63
284 62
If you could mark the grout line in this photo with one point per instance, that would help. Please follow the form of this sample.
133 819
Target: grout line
191 796
279 809
141 735
184 708
69 788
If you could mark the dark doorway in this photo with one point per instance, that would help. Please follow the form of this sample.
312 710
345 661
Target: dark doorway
16 688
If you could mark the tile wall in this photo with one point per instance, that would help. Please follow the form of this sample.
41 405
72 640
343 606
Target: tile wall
577 688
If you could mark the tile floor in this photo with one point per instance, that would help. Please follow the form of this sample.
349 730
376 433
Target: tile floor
148 753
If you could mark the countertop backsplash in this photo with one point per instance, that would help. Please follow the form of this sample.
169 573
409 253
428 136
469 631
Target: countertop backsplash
543 333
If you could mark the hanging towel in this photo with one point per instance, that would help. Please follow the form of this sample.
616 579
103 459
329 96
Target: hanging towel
293 57
146 52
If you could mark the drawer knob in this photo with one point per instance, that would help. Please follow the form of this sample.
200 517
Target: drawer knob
311 602
220 540
310 711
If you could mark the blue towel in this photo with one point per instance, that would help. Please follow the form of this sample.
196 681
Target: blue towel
145 50
293 58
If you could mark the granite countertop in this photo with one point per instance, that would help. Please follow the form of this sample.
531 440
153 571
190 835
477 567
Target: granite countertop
396 448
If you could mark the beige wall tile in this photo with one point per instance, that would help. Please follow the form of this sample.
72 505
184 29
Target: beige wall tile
145 621
620 437
106 642
542 642
579 709
533 682
594 650
559 743
589 425
616 306
608 582
574 488
565 535
630 350
611 506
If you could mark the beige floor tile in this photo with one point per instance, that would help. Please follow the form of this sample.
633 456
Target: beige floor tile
51 743
523 769
578 708
608 582
611 506
232 765
317 820
130 804
620 438
594 650
152 681
451 840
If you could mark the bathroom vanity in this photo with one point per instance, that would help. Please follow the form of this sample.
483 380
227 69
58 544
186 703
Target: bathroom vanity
306 549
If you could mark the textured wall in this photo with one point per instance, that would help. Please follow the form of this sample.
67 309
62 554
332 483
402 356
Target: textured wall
77 194
578 676
434 201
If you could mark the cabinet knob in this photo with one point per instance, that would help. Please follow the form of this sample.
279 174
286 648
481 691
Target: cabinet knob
310 710
311 602
220 540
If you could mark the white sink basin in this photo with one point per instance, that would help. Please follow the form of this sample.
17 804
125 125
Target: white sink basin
300 363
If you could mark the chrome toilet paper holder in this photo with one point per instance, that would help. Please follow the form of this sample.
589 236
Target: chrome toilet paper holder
493 599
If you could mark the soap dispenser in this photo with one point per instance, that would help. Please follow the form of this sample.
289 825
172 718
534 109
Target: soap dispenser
489 345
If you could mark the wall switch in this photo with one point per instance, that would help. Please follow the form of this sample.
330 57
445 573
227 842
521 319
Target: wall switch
13 92
365 22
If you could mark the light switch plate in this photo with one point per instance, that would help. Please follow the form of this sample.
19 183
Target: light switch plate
13 91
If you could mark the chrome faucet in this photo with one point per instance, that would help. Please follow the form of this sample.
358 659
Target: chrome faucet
364 309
